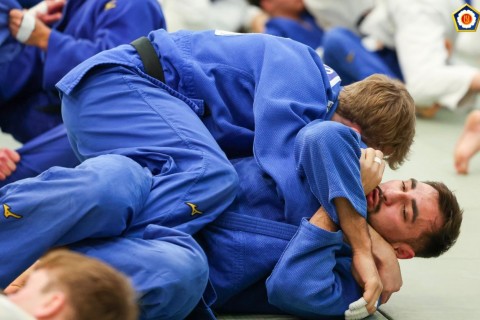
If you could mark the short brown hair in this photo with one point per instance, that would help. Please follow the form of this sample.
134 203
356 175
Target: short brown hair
94 289
437 242
385 112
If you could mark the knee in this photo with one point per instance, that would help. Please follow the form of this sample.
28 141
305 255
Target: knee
117 182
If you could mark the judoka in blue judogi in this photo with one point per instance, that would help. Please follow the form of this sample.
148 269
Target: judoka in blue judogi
28 74
218 76
305 31
111 106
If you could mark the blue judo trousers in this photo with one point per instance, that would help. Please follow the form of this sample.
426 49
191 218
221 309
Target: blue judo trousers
344 52
93 209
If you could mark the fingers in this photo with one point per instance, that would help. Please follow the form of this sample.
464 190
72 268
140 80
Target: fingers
372 301
55 6
8 160
375 158
371 154
21 24
50 18
12 154
15 19
385 297
359 310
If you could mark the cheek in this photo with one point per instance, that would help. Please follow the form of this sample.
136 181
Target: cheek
387 220
23 299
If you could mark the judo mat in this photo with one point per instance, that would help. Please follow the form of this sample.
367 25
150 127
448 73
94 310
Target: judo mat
376 316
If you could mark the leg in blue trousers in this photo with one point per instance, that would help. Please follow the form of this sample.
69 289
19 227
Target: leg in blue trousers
115 110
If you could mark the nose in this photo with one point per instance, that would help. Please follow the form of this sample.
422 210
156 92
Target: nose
393 196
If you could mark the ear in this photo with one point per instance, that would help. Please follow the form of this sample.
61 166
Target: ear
403 251
355 127
338 118
352 125
54 303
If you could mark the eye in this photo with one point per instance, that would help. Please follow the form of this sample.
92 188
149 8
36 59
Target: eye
404 188
404 213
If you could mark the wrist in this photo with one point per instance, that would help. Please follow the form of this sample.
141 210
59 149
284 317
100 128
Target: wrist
43 39
354 227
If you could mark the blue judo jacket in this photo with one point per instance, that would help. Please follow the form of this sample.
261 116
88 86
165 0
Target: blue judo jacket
308 269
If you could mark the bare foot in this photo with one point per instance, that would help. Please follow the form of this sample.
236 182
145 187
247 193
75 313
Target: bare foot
469 142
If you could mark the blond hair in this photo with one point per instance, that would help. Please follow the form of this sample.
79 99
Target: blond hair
385 112
94 290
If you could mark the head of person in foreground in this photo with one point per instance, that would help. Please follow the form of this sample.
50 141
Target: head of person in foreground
67 285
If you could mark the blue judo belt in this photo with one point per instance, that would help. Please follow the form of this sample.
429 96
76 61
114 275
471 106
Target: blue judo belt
256 225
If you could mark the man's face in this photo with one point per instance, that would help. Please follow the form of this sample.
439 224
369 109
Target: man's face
403 210
32 294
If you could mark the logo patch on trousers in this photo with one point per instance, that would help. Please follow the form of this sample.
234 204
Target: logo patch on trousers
110 5
7 213
194 208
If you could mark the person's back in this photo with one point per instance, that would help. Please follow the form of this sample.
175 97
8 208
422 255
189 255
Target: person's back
219 74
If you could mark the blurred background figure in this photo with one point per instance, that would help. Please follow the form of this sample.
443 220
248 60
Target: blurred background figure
228 15
414 41
44 43
290 19
54 40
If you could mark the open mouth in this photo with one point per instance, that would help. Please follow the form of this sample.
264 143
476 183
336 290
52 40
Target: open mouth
374 199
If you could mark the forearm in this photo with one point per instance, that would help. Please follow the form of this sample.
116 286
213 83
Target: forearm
322 220
354 226
387 265
40 37
378 244
312 277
